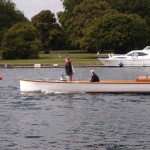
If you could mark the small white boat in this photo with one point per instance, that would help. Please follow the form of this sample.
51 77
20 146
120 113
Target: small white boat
133 58
139 85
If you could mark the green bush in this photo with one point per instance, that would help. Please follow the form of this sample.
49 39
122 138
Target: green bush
21 42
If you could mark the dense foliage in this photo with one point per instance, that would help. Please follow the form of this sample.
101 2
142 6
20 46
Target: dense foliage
105 24
84 14
9 15
50 31
139 7
20 42
94 25
118 31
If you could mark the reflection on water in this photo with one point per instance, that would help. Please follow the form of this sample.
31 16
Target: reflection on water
56 121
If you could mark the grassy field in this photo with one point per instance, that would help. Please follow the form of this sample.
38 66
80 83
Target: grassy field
57 57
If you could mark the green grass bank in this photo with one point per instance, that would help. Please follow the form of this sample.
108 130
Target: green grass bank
57 57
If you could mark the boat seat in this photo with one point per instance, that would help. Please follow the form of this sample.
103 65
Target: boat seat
143 78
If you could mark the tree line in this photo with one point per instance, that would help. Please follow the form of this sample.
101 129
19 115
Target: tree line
94 25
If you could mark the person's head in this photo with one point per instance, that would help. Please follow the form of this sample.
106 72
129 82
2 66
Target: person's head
92 72
67 59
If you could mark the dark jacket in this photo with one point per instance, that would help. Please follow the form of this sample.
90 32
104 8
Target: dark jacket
68 68
94 78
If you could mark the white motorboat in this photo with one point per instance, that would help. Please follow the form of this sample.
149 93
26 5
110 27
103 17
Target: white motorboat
139 85
133 58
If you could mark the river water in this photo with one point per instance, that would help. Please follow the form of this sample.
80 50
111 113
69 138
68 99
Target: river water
57 121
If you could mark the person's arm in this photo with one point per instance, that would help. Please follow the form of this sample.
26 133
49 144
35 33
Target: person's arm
92 79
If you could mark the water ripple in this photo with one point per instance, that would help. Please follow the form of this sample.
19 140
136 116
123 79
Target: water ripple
56 121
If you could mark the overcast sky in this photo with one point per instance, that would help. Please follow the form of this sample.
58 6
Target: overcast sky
33 7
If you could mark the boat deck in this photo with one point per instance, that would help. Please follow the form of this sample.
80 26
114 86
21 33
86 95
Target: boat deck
140 79
88 82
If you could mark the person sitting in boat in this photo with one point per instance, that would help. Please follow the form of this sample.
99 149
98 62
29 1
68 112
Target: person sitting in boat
94 77
68 69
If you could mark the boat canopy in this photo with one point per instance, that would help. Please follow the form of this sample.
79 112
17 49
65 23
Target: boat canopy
147 48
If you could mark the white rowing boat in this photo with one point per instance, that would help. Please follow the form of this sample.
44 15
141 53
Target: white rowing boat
139 85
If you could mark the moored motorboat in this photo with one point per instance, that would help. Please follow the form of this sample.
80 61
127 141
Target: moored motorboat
139 85
133 58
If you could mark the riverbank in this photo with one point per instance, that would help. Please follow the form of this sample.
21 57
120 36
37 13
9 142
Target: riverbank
58 57
46 65
54 59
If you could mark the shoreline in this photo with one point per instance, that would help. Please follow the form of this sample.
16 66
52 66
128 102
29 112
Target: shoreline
9 66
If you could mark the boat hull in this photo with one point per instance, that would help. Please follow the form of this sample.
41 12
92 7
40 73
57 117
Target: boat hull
128 63
112 86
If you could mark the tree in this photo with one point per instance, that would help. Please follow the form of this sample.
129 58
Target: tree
139 7
82 22
82 13
51 34
118 31
9 16
20 42
69 6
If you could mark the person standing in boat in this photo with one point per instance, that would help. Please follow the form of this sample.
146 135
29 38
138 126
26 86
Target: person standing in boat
94 77
68 69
